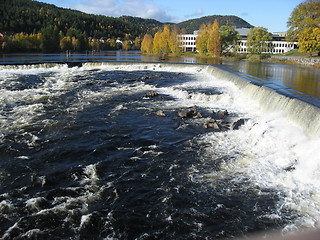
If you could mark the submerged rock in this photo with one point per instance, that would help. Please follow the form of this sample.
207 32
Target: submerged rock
189 113
223 113
236 125
150 76
212 123
151 94
160 113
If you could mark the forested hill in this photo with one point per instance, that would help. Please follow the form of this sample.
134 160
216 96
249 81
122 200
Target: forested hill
229 20
30 16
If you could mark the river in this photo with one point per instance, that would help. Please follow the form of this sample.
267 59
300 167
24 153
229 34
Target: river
305 79
143 150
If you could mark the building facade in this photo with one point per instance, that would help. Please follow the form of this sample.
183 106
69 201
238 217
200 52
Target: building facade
277 46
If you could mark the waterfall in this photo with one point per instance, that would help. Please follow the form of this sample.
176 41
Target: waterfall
301 109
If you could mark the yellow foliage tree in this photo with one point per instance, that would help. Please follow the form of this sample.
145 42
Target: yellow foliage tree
202 40
147 44
214 40
174 42
309 40
66 43
305 15
165 42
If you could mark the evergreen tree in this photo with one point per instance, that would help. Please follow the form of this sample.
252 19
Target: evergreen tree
50 39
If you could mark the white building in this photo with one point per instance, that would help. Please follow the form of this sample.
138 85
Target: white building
277 46
188 42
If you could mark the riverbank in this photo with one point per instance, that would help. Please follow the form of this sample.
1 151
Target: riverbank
315 62
290 59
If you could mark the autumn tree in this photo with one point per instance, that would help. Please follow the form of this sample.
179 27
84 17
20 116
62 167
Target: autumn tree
137 43
147 44
174 42
305 15
161 42
165 41
304 26
214 40
309 40
229 38
202 39
126 45
66 44
258 40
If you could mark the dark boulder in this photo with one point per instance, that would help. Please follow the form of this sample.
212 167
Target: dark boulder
236 125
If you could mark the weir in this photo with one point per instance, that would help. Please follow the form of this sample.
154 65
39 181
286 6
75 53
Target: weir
300 108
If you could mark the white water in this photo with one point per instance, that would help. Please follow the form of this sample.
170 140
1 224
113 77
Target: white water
281 133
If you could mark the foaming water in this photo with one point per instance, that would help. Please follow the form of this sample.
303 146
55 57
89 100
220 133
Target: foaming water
126 151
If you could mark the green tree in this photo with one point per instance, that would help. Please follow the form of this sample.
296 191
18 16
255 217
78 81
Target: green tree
229 38
305 15
50 39
214 40
258 39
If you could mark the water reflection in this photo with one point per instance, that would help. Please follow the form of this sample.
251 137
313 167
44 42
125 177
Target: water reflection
301 78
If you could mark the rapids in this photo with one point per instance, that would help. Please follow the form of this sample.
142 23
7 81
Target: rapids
84 153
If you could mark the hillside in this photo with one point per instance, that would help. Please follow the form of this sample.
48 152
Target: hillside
31 16
194 24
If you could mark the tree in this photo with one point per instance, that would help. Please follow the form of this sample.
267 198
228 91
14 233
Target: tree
126 45
202 39
147 44
50 39
309 40
229 38
258 39
304 26
174 42
214 41
161 46
137 43
305 15
66 44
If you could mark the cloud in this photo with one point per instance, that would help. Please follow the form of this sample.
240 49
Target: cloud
116 8
198 12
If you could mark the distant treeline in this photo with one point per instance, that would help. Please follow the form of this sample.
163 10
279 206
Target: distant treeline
50 39
27 25
31 16
31 26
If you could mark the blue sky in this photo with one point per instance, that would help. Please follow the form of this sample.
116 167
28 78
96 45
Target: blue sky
271 14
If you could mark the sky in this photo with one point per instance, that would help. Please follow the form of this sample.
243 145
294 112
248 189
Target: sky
271 14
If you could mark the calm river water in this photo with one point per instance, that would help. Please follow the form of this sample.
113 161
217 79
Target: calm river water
305 79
